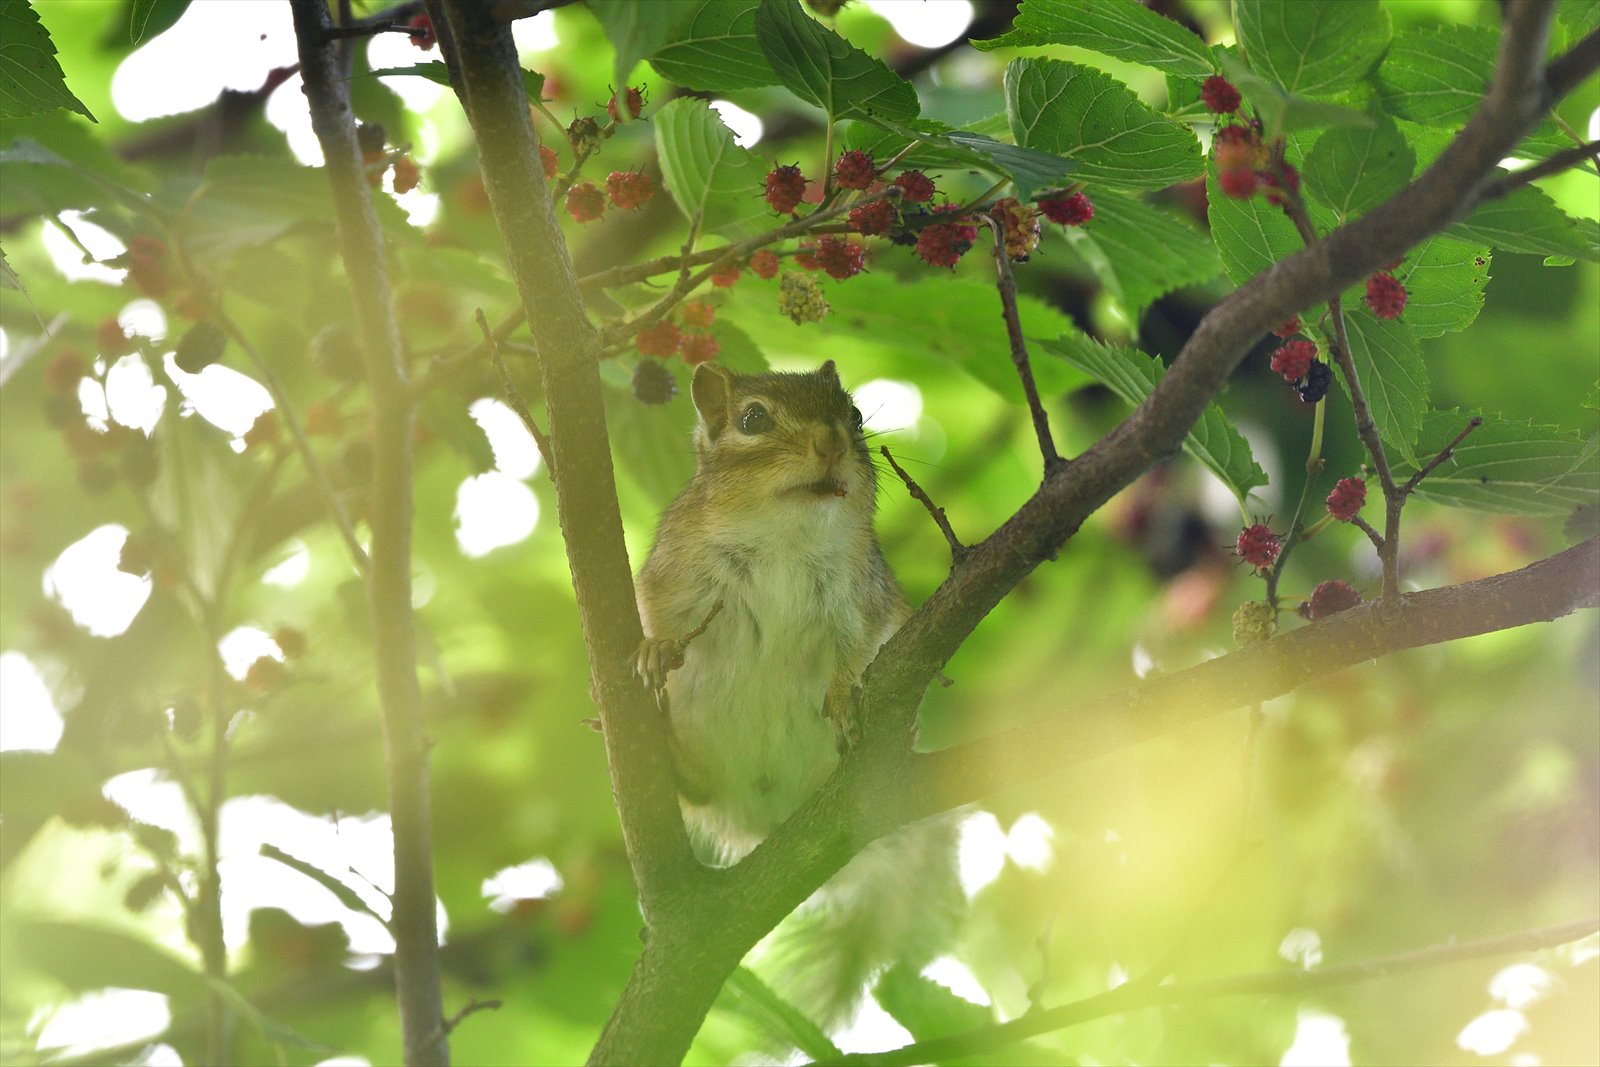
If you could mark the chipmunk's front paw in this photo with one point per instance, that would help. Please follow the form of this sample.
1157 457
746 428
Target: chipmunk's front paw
842 710
657 656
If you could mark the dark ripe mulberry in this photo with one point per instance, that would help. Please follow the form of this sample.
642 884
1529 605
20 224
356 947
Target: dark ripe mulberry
1294 359
1314 386
653 383
785 186
584 133
1074 210
1385 295
1219 95
765 263
199 347
854 170
1258 546
1330 598
585 202
873 219
915 186
1344 503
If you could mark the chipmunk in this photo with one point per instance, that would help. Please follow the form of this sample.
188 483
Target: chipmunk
776 526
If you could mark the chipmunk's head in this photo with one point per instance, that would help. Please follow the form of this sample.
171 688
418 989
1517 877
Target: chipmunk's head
794 437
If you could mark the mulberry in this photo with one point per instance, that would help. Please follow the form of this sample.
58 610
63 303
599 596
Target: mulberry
1344 503
1258 546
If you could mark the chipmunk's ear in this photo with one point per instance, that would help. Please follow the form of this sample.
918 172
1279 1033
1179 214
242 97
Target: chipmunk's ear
829 373
712 390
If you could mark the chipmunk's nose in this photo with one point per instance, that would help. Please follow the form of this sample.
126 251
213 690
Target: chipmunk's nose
828 443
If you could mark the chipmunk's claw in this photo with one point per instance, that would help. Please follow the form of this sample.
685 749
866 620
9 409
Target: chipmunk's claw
656 658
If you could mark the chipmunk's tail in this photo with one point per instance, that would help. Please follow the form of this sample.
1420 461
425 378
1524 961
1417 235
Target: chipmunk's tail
897 902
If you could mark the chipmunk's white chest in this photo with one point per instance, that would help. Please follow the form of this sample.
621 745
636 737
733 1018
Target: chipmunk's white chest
747 705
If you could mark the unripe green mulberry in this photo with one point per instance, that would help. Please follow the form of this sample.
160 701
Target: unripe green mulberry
800 298
1254 622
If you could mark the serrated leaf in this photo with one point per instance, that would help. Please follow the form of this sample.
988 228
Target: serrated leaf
1351 169
1393 377
755 1000
1097 122
1437 74
1506 467
1140 251
714 48
824 69
1444 280
1132 375
635 28
1284 112
1032 172
954 320
1527 220
1250 235
925 1008
1121 28
705 171
31 81
1312 49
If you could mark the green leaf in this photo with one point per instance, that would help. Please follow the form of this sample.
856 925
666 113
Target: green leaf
754 999
1098 123
1250 235
1281 111
346 896
1352 169
926 1008
151 18
1514 468
714 48
635 28
1437 74
1578 17
84 956
1032 172
435 72
31 81
1592 401
1132 375
1444 280
1392 374
1527 220
1141 252
1312 49
1121 28
705 171
653 441
824 69
955 320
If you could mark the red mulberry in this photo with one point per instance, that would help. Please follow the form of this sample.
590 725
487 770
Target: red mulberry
1074 210
1258 546
1294 359
1385 295
1344 503
785 186
854 170
1220 95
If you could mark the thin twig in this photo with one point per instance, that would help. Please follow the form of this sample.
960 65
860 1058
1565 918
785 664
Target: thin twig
1444 453
1135 995
472 1007
1295 533
514 396
1563 160
716 609
1007 285
1366 527
957 549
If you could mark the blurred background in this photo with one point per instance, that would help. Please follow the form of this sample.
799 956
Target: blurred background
184 658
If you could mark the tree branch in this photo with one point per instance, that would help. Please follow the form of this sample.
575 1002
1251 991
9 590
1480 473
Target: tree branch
1566 158
957 549
489 82
1007 285
388 576
1137 995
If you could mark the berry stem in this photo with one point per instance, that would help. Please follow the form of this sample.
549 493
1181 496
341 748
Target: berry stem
1295 534
1444 453
1007 285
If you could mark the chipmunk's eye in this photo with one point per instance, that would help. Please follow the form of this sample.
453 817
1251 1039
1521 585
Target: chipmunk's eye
755 420
855 418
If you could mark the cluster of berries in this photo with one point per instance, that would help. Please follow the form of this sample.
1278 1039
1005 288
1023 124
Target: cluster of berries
624 190
1244 166
1297 361
104 454
686 334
